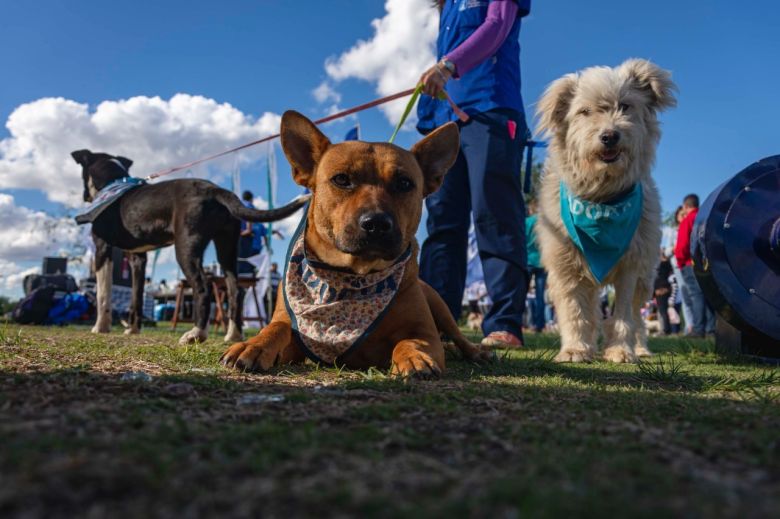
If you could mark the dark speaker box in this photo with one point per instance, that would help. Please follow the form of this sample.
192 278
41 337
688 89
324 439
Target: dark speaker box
55 265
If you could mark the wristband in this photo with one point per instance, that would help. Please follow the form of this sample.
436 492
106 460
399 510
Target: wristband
444 62
441 74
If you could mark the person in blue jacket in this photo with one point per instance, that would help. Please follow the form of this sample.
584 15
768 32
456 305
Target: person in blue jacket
479 67
252 238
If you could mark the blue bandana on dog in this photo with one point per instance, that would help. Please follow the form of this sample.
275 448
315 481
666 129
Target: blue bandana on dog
602 232
107 196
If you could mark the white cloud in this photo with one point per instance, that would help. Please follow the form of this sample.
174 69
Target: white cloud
26 236
325 93
30 235
155 133
12 275
401 48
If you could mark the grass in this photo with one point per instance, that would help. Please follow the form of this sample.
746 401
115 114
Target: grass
685 433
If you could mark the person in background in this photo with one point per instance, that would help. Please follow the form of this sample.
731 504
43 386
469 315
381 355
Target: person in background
703 319
535 269
604 302
685 304
675 304
479 67
662 290
251 240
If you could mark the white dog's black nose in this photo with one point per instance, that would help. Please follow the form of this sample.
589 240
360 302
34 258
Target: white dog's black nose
376 224
609 138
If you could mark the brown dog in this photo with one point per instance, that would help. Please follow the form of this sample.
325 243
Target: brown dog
359 228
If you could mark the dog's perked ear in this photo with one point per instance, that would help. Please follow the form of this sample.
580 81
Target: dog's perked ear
83 157
303 144
436 154
654 80
554 104
125 162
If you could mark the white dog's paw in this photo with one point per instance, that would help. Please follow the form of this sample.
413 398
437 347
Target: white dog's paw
101 328
236 337
619 354
193 336
642 351
575 354
234 333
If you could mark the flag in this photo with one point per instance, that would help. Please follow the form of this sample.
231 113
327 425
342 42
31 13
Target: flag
353 134
272 175
154 262
235 177
272 181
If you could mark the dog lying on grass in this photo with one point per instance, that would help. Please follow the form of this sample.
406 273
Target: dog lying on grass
600 219
350 294
185 213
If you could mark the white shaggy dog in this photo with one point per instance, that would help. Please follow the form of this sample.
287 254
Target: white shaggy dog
603 133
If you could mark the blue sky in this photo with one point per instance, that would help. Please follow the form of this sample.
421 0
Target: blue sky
268 56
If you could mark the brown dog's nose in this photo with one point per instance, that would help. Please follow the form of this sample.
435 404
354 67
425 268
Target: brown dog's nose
376 224
609 138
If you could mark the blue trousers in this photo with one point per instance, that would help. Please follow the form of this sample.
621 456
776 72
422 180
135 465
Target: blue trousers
485 180
703 316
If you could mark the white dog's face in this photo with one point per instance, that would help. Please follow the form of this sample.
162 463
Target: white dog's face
603 123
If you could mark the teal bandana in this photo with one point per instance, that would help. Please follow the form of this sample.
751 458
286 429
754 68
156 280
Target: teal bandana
602 232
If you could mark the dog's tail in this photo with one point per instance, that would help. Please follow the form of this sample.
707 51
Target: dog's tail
447 325
239 210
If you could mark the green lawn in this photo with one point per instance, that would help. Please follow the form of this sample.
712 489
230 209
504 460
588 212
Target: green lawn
687 433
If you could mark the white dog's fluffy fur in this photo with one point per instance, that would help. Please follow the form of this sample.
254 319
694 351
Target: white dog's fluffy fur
573 113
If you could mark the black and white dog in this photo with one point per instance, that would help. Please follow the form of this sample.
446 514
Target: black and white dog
185 213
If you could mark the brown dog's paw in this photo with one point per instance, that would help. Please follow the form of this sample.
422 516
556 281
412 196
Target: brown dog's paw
416 364
245 356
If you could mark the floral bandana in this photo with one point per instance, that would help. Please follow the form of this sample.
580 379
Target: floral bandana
333 309
602 232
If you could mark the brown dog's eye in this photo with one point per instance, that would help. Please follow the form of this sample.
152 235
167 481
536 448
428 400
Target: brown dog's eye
341 181
584 111
404 184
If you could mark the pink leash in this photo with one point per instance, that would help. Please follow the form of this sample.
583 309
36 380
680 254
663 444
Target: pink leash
349 111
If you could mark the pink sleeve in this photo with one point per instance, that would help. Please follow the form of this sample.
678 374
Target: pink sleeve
488 37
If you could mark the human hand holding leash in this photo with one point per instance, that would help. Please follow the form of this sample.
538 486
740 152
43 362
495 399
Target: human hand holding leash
434 79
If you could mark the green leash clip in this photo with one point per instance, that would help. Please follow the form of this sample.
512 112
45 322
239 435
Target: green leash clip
443 96
407 110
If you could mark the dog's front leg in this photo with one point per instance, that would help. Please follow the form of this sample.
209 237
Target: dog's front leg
621 327
262 351
576 303
104 269
418 358
138 272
